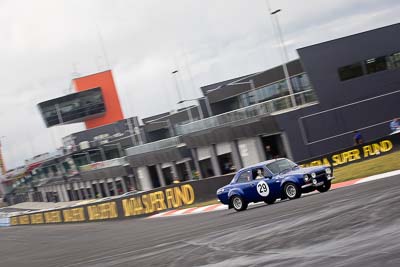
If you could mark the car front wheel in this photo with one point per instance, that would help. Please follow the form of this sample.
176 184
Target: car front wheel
238 203
291 191
325 187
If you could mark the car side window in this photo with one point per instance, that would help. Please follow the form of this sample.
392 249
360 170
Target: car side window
267 173
261 173
244 177
258 173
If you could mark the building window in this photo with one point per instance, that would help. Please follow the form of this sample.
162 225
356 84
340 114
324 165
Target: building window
376 64
393 61
247 99
300 83
272 91
73 107
350 71
244 177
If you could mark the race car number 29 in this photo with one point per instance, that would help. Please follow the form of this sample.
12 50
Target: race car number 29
262 189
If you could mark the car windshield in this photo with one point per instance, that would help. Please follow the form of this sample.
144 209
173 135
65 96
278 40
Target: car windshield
281 165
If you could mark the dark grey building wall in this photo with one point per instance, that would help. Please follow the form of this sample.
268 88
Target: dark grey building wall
321 62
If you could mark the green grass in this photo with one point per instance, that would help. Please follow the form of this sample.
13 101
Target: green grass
368 167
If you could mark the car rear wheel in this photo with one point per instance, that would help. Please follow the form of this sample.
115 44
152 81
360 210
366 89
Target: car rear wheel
270 201
325 187
291 191
238 203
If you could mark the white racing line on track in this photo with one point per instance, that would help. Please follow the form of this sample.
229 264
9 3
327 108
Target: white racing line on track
378 176
216 207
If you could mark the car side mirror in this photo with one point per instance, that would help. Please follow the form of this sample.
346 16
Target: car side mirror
268 177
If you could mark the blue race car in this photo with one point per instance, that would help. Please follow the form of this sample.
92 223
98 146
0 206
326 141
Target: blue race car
267 181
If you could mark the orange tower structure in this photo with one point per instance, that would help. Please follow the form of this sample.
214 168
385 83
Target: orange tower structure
105 81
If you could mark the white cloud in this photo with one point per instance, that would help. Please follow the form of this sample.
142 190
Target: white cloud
44 41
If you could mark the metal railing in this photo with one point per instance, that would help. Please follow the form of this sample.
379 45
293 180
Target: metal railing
154 146
264 108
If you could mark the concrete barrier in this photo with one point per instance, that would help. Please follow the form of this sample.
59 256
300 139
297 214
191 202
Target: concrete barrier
137 205
4 222
186 193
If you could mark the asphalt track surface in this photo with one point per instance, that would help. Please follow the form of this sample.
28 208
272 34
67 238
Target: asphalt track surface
353 226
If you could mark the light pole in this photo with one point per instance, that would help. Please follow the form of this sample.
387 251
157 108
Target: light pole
174 73
285 54
200 110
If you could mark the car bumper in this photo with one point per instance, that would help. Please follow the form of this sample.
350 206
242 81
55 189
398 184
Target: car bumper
317 184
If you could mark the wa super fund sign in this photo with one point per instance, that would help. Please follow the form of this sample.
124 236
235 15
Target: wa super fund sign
174 197
358 153
137 205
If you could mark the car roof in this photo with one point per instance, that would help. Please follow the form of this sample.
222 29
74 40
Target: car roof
260 164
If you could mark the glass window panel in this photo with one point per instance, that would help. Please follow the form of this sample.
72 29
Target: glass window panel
300 83
376 64
283 88
296 84
72 107
244 177
394 61
350 72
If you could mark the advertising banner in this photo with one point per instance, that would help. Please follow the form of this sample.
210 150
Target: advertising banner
138 205
358 153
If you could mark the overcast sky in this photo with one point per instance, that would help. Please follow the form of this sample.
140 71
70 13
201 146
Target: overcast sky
44 43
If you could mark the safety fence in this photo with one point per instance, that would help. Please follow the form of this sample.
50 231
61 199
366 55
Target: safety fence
131 206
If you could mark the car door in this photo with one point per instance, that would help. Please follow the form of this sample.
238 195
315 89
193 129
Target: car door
246 183
265 187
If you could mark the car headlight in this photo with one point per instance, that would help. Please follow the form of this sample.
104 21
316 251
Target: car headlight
306 178
313 175
221 190
328 171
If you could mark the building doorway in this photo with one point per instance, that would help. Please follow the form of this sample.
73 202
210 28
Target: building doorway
206 168
183 171
155 181
168 175
225 162
273 147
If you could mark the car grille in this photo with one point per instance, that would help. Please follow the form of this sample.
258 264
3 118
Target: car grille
321 176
